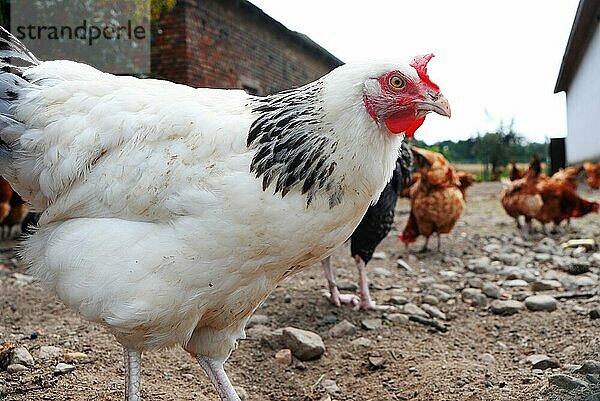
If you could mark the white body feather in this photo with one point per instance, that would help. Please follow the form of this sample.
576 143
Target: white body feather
153 223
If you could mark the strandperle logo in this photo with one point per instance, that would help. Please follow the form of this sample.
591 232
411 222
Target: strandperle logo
86 31
111 35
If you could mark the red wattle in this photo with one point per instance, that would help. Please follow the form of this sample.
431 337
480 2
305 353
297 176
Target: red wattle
410 131
407 125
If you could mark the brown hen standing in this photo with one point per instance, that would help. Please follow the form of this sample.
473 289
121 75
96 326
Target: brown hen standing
522 198
561 202
437 201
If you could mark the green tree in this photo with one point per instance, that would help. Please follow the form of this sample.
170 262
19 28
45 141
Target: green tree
495 147
493 150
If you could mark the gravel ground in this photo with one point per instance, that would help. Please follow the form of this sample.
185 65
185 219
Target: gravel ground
467 352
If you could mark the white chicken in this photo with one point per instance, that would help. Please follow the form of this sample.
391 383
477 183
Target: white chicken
170 213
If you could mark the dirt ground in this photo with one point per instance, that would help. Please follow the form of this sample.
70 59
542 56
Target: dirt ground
419 363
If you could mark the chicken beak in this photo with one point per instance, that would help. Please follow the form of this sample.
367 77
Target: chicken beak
438 104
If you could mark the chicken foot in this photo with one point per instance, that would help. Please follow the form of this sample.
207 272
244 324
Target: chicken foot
334 295
364 302
216 373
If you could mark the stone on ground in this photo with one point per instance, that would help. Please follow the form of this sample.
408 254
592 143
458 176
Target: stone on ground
343 328
543 362
544 303
371 324
21 356
305 345
284 356
566 382
508 307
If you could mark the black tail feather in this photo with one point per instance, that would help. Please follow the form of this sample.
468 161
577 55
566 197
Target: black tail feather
13 53
14 60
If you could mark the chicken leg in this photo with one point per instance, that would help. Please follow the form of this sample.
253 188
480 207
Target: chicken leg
424 249
519 225
133 369
528 228
218 377
366 302
335 297
545 229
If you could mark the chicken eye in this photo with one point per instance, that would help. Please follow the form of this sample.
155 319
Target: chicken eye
397 82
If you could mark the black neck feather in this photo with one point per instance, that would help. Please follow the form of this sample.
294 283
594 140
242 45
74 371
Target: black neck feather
294 144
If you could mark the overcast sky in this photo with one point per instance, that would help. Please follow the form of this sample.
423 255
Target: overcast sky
495 60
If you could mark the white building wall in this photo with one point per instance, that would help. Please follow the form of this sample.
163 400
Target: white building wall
583 106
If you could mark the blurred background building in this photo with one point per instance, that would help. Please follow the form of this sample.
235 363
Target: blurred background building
579 78
234 44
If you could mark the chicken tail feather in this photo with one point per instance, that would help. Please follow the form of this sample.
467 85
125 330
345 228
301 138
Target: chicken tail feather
14 60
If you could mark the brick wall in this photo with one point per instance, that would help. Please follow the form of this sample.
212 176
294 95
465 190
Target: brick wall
231 44
169 51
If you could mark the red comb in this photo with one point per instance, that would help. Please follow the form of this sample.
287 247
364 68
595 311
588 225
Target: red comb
419 63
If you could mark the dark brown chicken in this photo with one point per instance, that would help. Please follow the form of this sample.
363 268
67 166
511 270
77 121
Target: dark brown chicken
515 172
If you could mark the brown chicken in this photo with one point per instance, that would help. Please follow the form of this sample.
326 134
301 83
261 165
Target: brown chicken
11 226
561 202
567 176
515 172
592 171
437 201
522 198
6 192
